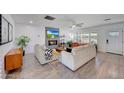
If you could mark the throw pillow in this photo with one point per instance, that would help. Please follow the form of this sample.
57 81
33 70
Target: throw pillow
48 54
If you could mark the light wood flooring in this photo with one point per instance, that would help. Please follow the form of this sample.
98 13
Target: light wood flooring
105 66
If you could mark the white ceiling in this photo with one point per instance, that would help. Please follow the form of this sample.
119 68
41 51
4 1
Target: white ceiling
67 20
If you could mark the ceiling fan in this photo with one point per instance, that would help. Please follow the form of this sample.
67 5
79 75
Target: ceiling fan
79 25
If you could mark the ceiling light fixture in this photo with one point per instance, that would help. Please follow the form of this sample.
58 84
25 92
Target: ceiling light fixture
30 22
107 19
49 18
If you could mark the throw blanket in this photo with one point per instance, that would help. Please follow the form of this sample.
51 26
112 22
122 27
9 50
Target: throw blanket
48 54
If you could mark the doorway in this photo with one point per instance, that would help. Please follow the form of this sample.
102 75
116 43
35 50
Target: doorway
114 42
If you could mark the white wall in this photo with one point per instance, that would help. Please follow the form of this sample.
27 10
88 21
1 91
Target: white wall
36 34
6 47
123 41
102 30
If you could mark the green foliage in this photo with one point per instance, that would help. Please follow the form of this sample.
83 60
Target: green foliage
69 43
22 41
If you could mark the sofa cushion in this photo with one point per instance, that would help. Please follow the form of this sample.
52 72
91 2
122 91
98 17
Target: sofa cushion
69 50
75 44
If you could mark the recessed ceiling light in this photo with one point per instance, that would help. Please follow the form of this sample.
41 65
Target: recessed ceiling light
107 19
30 22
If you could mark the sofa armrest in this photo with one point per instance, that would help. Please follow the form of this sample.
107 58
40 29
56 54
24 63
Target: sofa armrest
67 59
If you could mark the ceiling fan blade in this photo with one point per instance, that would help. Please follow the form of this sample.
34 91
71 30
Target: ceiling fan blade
80 24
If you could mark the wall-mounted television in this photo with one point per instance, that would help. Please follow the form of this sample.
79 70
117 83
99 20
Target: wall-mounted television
52 33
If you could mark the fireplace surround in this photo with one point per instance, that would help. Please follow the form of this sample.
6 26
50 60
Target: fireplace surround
49 40
52 42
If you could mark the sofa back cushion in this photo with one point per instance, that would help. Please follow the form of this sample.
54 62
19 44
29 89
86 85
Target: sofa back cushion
78 49
69 50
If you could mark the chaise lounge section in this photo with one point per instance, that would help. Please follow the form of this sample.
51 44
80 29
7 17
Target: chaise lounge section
78 57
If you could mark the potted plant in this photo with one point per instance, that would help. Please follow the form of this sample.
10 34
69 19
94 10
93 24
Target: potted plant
22 42
69 43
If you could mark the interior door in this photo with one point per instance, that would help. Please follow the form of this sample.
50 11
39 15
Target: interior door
114 42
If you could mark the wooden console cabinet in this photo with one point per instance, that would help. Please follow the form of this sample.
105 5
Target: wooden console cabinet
13 59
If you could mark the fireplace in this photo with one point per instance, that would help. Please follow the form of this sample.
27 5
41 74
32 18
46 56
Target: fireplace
52 42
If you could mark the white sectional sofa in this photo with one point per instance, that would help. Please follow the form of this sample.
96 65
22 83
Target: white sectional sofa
40 54
78 57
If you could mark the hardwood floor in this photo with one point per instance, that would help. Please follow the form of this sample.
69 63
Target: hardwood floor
105 66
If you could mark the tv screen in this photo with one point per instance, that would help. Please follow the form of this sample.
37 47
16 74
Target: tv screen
52 33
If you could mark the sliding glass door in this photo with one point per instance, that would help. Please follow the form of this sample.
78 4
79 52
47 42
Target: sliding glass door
84 37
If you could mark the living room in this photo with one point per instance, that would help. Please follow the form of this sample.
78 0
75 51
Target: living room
70 33
62 46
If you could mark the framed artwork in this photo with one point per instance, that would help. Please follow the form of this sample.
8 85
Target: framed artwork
10 32
4 31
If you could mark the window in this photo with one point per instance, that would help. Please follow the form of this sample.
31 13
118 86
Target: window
113 33
86 38
93 38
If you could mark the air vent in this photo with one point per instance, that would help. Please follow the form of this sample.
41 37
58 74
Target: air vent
107 19
49 18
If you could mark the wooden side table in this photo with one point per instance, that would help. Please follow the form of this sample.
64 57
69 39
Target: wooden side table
13 59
